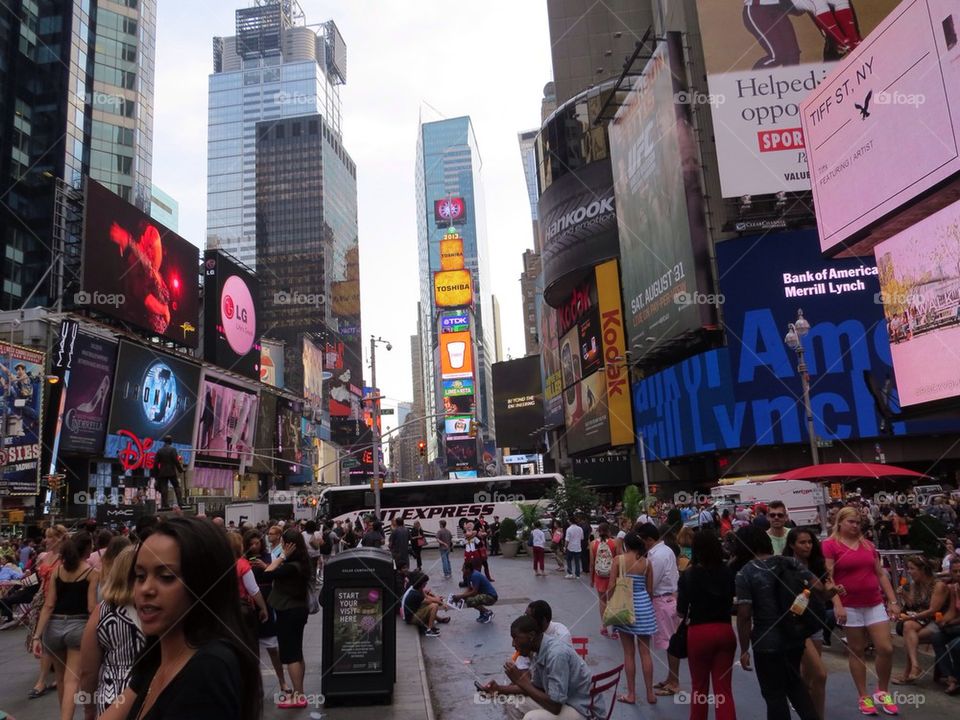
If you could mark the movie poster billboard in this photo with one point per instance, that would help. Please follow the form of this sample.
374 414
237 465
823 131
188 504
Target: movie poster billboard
154 395
885 127
22 373
586 415
920 284
228 419
343 394
312 374
138 271
518 402
231 334
461 453
550 367
763 59
288 440
660 212
87 405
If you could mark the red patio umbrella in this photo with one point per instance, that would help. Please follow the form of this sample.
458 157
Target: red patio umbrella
847 470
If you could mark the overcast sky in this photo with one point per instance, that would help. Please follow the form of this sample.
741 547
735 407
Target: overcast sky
488 60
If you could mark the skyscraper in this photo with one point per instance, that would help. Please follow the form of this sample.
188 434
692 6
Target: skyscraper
531 258
274 67
76 98
448 169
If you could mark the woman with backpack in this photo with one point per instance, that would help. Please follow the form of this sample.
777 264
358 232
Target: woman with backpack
602 552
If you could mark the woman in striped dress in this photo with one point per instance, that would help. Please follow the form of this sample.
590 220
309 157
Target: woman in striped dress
111 641
636 637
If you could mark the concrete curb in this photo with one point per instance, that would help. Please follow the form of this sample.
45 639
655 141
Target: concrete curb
424 684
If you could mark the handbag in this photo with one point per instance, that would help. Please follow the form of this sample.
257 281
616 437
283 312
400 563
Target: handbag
313 598
620 610
421 541
677 647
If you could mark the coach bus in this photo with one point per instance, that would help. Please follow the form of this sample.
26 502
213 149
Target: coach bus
430 501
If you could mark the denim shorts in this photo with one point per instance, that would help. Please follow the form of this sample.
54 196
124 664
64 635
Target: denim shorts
64 632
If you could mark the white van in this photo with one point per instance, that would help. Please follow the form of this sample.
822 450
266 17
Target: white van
800 496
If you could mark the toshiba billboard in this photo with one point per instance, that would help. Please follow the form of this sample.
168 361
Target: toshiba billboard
884 128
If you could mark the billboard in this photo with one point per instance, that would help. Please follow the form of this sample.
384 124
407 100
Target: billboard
762 60
154 395
450 211
885 126
614 353
457 425
231 337
920 281
271 363
451 252
750 392
288 436
87 405
579 221
342 394
458 388
550 367
138 271
454 321
459 405
456 355
660 213
461 453
517 402
312 374
586 415
22 375
452 288
228 419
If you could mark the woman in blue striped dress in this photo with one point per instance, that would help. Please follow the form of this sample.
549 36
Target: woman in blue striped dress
636 637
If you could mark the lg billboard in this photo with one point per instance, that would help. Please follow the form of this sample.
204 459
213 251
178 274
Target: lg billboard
231 334
138 271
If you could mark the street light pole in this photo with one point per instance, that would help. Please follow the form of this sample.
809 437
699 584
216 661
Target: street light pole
375 430
796 331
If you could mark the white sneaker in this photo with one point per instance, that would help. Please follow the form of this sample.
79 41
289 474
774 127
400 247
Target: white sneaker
568 576
9 624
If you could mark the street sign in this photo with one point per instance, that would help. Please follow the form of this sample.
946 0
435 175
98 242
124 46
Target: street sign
519 459
350 462
386 411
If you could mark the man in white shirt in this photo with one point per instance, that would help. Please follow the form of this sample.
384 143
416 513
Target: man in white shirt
663 594
539 540
574 541
541 611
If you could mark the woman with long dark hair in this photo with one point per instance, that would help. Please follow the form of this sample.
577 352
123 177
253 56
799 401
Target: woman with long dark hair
195 663
705 600
290 574
256 553
802 544
71 595
920 601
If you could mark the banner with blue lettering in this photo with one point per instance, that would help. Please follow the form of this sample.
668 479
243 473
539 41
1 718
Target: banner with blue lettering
750 393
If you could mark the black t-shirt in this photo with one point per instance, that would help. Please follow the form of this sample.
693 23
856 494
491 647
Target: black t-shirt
758 585
411 603
707 594
206 688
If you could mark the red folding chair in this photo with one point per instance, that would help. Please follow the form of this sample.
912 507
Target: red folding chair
580 645
602 683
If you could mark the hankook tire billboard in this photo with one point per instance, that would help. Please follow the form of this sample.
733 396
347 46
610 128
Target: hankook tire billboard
579 220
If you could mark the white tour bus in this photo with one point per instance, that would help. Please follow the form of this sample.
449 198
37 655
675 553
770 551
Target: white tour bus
430 501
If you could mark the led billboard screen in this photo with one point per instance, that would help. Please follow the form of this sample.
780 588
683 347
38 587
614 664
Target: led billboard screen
155 394
312 374
231 333
885 126
451 252
762 59
518 402
271 363
456 355
452 288
450 211
228 419
920 281
461 453
138 271
22 380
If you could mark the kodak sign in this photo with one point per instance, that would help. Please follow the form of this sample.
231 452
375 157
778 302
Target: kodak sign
614 346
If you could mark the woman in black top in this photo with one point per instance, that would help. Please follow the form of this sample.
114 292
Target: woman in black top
290 574
705 598
259 558
195 664
417 540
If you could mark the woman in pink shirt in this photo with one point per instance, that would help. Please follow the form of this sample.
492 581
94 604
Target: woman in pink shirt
854 567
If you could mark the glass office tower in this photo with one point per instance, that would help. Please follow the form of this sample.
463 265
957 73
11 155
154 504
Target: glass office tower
448 166
273 68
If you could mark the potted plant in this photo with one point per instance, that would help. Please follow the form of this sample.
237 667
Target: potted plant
509 545
530 515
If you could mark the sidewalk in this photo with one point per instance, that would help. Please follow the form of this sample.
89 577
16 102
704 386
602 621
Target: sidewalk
411 697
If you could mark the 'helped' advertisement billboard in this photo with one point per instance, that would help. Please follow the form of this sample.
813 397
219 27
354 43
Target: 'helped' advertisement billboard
518 402
885 126
231 334
138 271
22 373
762 59
920 279
155 394
228 419
660 212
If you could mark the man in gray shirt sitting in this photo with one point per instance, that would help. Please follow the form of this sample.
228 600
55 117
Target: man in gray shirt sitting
557 685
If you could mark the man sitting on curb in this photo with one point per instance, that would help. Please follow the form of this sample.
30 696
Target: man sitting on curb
557 686
421 607
479 593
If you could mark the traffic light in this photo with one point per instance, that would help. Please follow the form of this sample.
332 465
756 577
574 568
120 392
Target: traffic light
422 448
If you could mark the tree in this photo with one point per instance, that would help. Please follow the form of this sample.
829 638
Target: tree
571 497
632 502
530 514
